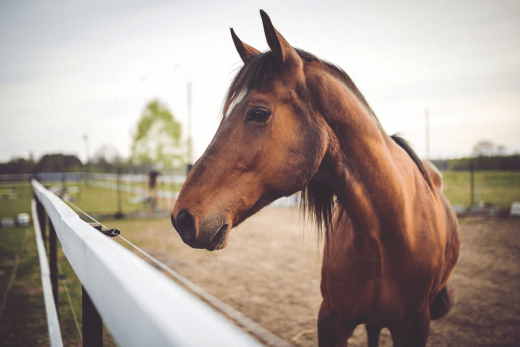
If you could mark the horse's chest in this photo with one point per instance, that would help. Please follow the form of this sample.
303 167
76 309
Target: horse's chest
359 280
349 269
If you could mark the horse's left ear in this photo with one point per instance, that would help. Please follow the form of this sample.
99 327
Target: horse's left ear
245 51
283 51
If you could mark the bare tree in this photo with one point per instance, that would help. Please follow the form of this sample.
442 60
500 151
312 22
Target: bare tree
484 148
108 154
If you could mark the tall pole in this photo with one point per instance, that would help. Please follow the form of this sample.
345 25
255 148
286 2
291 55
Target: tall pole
190 150
119 213
471 182
85 137
87 162
427 119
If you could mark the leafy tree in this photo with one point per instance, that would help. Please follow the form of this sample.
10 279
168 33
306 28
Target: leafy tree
17 166
157 141
58 163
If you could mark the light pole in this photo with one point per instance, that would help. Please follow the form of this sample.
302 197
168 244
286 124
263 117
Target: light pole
86 177
427 119
190 154
85 137
189 115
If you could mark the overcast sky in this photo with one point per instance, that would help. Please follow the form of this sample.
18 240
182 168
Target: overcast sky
70 68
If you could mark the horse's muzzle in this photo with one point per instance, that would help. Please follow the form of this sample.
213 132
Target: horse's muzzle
212 234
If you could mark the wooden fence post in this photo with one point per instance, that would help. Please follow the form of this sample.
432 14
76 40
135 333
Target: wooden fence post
472 182
92 323
119 213
53 261
40 210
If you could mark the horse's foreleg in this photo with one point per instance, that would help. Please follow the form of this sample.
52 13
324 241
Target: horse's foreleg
412 331
331 331
373 334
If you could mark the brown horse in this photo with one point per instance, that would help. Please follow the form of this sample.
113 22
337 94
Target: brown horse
294 122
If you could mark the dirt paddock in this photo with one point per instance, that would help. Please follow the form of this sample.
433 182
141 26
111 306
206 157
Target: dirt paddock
270 271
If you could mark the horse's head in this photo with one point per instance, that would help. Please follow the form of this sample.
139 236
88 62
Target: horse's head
268 145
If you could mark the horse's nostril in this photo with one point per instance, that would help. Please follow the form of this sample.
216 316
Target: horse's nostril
173 221
185 225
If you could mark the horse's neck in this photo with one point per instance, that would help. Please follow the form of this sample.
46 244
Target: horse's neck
370 187
371 176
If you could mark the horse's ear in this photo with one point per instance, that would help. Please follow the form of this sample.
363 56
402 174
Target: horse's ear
279 46
245 51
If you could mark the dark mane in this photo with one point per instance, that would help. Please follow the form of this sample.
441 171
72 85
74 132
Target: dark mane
408 149
317 198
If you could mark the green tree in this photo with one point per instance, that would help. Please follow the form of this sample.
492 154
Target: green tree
158 141
58 163
17 166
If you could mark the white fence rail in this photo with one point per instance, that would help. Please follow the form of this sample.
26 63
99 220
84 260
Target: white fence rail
139 305
50 307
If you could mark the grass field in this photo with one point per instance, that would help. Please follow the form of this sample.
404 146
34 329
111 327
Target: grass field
23 322
22 203
96 200
93 200
172 187
497 188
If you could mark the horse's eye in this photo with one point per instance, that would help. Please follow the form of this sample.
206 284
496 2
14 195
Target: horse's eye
258 114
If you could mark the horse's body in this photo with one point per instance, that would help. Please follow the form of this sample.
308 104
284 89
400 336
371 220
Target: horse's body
294 122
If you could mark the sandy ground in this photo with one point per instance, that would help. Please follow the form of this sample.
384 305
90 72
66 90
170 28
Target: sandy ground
270 271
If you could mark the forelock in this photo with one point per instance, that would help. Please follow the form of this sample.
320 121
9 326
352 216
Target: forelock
258 72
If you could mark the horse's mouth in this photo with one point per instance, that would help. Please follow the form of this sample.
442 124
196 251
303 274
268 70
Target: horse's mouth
220 240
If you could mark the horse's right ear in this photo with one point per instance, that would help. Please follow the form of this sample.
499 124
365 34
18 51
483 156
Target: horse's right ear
283 51
245 51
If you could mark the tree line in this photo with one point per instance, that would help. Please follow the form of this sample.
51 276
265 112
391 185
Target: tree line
480 163
71 163
158 145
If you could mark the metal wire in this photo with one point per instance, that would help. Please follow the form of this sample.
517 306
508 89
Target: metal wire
159 263
251 326
85 213
70 304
